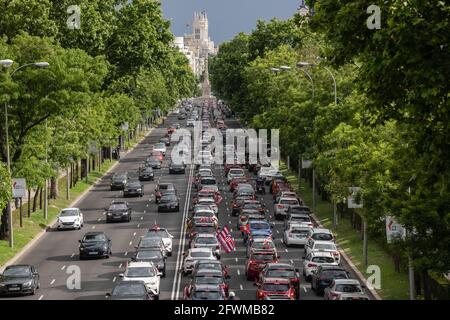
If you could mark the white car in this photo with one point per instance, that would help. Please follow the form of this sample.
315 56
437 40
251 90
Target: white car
70 218
321 234
160 147
193 255
164 235
190 122
315 259
324 246
208 202
351 289
235 173
143 271
282 205
206 240
295 234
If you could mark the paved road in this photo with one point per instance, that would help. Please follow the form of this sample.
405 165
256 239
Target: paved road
58 250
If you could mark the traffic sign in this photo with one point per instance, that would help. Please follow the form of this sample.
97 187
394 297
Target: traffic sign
351 199
394 230
19 187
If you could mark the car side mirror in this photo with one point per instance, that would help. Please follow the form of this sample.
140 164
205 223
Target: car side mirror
278 256
121 275
363 286
136 247
255 284
79 241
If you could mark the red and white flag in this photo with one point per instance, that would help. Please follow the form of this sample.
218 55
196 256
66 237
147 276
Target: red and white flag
217 198
226 240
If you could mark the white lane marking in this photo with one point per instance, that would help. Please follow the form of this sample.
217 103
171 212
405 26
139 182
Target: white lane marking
114 279
278 231
52 282
304 288
104 213
142 218
238 272
93 227
229 221
120 266
72 255
131 242
147 205
63 267
134 234
286 250
236 259
292 261
138 225
229 215
99 219
177 275
40 298
145 211
126 253
241 287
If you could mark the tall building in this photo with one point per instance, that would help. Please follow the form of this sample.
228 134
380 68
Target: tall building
198 44
303 9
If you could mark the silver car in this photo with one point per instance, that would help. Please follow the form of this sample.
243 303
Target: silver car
350 288
295 234
282 205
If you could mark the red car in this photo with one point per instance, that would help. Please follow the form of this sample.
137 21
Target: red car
157 154
171 130
282 270
257 262
235 181
274 287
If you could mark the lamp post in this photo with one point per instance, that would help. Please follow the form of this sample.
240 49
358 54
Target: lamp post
7 63
302 64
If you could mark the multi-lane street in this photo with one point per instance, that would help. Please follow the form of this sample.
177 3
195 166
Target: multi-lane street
56 254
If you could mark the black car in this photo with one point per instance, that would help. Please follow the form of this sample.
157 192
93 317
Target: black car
324 275
146 174
155 256
131 290
165 140
153 163
298 209
118 212
177 168
118 181
169 203
19 279
133 188
95 244
164 188
151 244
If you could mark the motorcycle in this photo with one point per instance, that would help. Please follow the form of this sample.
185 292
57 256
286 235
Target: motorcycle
260 188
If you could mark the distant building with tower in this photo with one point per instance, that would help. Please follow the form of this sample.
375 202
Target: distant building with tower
197 46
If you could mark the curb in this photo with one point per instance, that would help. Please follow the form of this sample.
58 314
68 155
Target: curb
38 237
358 273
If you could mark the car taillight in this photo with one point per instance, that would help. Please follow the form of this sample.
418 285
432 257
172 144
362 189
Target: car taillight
261 294
336 254
292 293
310 265
334 295
242 218
280 206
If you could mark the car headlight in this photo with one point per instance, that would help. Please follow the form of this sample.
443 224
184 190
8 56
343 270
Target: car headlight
28 283
139 189
105 247
125 190
2 285
109 213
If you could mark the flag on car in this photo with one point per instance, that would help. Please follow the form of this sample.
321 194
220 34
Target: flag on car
217 198
226 240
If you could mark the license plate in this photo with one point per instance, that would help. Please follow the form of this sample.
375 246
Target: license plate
14 289
93 252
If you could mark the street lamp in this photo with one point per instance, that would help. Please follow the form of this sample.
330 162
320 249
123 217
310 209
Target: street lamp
302 64
7 63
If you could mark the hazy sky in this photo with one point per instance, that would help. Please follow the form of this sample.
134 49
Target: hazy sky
226 17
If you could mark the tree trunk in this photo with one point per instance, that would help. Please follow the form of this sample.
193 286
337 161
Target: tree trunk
29 202
54 188
40 198
36 195
4 225
426 286
397 262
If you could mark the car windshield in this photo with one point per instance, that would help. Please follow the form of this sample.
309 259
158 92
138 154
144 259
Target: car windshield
94 237
168 198
165 187
348 288
204 214
289 201
263 257
140 272
209 266
276 287
281 273
334 274
208 181
158 233
200 254
206 240
322 236
120 177
17 272
212 295
252 206
205 229
134 185
129 290
150 242
259 225
208 280
324 246
159 146
236 172
299 218
149 255
263 245
118 207
69 213
303 231
322 260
